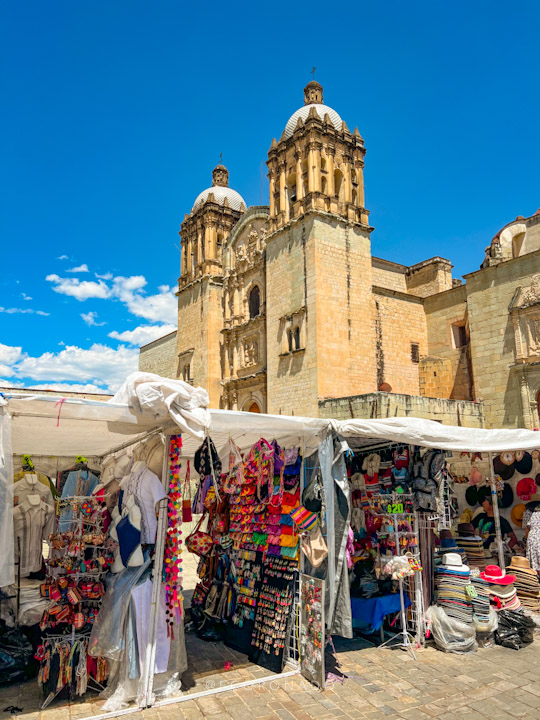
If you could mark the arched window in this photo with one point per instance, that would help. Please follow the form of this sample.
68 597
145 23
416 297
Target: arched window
297 338
254 302
291 187
354 197
323 185
323 163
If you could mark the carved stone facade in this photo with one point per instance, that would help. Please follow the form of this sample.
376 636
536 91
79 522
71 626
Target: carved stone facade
284 309
243 348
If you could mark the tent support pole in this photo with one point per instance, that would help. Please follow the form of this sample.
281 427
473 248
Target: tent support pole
148 693
496 516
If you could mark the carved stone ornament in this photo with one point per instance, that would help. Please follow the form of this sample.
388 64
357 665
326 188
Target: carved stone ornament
531 294
251 352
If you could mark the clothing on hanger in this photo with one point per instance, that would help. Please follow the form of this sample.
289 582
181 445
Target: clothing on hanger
147 491
33 522
30 484
44 479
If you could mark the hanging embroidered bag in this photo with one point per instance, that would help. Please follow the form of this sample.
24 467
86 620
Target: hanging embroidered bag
234 480
187 515
304 519
199 542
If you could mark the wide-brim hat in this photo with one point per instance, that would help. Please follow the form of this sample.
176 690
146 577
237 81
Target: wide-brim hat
502 591
447 543
516 514
453 561
466 529
520 564
503 469
505 497
471 495
525 488
524 462
476 476
494 576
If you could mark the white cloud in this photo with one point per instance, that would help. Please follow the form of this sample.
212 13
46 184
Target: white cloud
161 307
63 257
10 354
67 387
99 365
23 311
25 296
79 269
142 334
79 289
90 319
106 276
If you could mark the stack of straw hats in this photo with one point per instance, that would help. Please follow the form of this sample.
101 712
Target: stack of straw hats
526 583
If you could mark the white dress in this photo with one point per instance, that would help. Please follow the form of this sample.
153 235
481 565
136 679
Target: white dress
532 521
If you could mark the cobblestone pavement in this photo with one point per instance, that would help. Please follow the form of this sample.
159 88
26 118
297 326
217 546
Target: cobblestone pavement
491 683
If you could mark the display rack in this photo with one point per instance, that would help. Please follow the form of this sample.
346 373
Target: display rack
399 506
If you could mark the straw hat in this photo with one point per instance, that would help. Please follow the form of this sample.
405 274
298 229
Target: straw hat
516 514
521 564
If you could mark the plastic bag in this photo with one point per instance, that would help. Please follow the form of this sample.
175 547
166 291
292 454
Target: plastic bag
450 635
16 655
485 632
515 629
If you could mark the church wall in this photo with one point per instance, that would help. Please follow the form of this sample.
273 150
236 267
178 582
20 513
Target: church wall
200 320
497 384
292 376
341 279
385 405
443 312
160 356
398 322
388 275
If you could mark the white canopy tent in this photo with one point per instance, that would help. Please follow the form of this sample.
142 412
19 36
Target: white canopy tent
67 427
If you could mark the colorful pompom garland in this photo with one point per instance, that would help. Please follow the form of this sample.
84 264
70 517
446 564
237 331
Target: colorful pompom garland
172 565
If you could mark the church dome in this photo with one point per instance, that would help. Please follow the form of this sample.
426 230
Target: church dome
220 190
313 98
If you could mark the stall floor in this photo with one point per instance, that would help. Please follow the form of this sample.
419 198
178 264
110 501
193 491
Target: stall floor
205 672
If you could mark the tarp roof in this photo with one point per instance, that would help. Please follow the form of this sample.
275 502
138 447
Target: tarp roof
72 426
43 427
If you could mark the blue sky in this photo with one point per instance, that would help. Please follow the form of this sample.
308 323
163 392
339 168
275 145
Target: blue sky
115 113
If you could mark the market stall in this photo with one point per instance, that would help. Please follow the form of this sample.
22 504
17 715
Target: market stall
276 497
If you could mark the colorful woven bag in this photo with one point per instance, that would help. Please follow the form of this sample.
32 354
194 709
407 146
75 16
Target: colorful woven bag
304 519
199 542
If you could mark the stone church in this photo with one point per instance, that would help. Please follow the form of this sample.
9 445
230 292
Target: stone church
284 309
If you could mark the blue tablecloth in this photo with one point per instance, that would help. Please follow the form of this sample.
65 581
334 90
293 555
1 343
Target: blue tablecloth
368 614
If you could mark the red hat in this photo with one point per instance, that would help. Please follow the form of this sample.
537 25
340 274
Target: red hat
495 576
525 488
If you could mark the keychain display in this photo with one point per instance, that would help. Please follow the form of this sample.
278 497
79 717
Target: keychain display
312 630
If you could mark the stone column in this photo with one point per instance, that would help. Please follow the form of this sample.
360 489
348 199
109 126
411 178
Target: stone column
283 199
299 183
525 402
272 191
331 183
